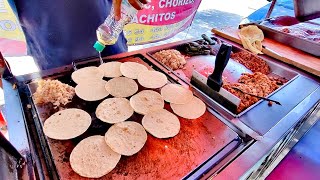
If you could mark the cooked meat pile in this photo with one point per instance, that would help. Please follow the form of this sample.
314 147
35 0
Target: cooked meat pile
171 58
252 62
304 33
305 30
53 91
258 84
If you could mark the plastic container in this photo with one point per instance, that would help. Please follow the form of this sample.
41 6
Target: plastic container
108 32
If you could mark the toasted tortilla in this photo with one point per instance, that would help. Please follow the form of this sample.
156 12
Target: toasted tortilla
126 138
161 124
111 69
132 69
67 124
251 37
93 158
87 74
146 101
152 79
114 110
252 33
121 87
174 93
192 110
86 91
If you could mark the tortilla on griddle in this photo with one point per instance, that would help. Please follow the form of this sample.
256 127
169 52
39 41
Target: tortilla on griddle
111 69
174 93
126 138
152 79
161 124
67 124
192 110
132 69
93 90
114 110
93 158
121 87
87 74
146 101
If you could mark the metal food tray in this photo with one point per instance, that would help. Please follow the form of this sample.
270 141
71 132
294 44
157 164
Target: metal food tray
290 40
200 141
233 72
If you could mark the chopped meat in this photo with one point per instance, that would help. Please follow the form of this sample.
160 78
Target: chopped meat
257 84
302 30
252 62
53 91
171 58
278 80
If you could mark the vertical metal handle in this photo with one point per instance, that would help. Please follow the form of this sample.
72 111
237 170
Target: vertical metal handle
222 59
74 65
273 3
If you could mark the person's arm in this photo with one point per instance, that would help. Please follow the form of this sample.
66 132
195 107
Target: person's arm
135 3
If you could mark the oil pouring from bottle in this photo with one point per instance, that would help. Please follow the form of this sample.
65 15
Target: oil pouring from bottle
108 32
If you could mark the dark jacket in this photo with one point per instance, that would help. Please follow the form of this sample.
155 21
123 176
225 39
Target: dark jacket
60 31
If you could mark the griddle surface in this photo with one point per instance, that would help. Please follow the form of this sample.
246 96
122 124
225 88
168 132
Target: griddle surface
170 158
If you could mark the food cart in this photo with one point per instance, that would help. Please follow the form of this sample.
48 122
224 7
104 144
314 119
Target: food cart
220 144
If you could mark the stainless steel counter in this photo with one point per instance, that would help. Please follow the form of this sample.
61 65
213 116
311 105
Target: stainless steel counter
303 160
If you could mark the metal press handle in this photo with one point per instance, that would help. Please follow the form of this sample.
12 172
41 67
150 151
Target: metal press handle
74 65
76 62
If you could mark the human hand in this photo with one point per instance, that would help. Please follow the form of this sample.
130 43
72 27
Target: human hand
137 4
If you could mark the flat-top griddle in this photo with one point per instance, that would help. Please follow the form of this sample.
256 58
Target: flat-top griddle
173 158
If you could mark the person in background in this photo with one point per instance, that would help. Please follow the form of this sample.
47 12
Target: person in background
60 31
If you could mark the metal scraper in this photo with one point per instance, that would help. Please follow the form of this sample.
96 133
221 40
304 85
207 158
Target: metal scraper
212 86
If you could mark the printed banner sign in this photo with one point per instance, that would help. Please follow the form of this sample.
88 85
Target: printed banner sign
9 25
12 41
161 19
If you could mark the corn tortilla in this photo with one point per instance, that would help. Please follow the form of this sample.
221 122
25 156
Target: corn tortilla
93 158
192 110
87 74
132 69
121 87
93 90
174 93
152 79
146 101
114 110
67 124
161 124
126 138
111 69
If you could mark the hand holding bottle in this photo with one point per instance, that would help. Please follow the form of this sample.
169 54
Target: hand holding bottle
137 4
121 13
